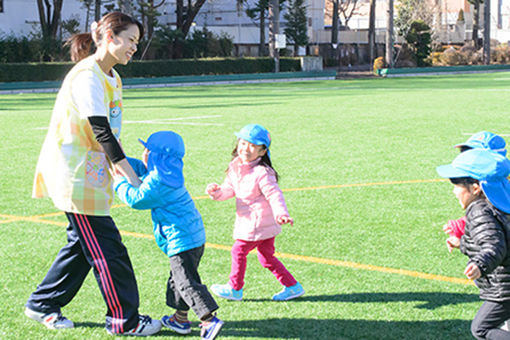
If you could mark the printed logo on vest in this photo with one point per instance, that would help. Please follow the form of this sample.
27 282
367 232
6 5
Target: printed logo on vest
96 169
115 116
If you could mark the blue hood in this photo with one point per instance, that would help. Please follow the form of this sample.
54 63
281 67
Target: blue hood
165 157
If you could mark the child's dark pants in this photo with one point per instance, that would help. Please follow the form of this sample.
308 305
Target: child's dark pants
488 319
93 241
184 288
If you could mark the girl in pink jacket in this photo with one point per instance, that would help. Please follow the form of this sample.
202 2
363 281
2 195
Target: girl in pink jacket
260 212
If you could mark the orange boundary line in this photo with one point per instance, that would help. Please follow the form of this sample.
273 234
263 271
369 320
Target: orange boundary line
302 258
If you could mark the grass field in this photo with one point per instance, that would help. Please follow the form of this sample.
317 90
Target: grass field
357 162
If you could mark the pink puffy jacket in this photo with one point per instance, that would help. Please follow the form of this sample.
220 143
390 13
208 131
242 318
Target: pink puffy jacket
259 200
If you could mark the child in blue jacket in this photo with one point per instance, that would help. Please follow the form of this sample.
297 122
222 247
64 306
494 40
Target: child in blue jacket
178 229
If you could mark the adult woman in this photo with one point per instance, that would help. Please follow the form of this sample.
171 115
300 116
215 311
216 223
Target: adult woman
81 148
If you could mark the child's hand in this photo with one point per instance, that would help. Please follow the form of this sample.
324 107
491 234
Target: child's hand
116 174
284 220
212 189
447 228
452 242
472 271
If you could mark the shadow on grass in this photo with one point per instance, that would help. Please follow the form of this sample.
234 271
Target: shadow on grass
300 328
346 329
429 301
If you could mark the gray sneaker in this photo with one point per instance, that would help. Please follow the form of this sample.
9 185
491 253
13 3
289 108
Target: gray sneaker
53 320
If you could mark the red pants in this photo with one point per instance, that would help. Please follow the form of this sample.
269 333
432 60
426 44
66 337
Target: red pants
266 257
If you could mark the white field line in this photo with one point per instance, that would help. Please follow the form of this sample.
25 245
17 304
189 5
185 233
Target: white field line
178 120
166 121
472 133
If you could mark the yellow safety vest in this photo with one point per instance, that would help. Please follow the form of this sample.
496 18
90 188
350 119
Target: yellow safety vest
73 169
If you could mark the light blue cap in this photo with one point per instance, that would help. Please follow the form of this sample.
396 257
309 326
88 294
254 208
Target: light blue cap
486 140
490 168
255 134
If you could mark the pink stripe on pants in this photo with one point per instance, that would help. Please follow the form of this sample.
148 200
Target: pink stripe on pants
266 257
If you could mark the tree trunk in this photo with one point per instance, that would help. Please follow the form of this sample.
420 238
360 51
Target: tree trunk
49 19
97 11
334 23
55 21
183 24
371 32
262 34
274 29
487 32
389 35
476 23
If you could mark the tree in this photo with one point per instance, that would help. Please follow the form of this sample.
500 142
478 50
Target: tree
88 6
371 31
296 28
409 11
260 13
340 8
476 21
149 13
389 35
347 8
49 17
487 33
185 16
419 39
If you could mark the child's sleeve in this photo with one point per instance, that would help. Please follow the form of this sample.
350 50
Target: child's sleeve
226 190
137 166
144 197
457 227
271 191
488 235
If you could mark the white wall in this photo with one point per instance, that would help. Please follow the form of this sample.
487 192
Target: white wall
20 17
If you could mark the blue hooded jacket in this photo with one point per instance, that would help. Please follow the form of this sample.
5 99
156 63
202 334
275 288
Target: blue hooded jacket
177 224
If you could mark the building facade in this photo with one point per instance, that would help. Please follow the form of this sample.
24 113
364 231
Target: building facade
21 18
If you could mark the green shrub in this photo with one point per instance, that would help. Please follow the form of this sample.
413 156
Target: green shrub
10 72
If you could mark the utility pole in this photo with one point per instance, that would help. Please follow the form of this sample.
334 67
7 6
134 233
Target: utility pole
389 35
274 29
487 32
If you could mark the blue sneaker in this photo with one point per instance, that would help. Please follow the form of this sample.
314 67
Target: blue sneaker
289 293
173 324
211 329
227 292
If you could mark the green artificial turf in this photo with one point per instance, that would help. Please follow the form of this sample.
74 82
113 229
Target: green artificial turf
357 162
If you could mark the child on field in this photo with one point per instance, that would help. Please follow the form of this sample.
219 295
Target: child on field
178 229
260 212
481 186
480 140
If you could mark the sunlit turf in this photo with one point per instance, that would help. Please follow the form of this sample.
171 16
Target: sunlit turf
388 133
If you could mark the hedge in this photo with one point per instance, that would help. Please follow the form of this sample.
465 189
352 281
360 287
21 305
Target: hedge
10 72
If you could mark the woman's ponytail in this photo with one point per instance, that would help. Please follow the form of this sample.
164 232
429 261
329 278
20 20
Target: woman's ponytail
79 45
